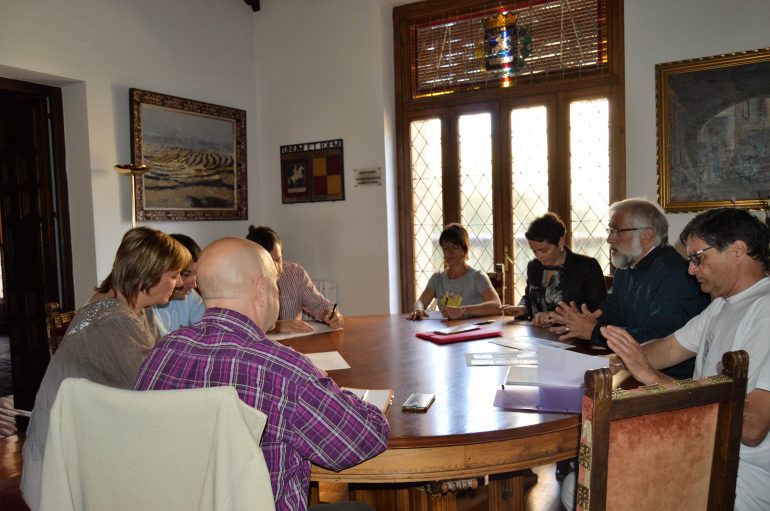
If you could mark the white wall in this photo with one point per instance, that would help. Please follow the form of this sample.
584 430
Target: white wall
325 72
304 70
659 31
96 51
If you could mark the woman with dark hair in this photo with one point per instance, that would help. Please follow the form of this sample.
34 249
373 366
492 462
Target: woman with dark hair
110 336
460 291
556 274
296 290
186 305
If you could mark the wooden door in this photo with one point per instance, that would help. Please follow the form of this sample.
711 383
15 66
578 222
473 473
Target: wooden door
35 228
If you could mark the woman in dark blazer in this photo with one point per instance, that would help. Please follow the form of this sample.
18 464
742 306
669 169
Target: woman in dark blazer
556 274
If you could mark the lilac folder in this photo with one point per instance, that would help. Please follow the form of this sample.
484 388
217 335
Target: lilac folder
540 398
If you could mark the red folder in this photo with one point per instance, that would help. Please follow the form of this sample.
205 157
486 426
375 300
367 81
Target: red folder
481 333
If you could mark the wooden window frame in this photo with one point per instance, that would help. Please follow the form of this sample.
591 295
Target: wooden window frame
499 102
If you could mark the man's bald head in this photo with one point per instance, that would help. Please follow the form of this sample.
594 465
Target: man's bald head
228 271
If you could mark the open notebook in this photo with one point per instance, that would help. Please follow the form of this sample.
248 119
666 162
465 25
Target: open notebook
381 398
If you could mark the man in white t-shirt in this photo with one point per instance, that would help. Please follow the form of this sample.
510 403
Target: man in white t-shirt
728 253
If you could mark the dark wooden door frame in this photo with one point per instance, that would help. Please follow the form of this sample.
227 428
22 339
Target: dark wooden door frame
56 238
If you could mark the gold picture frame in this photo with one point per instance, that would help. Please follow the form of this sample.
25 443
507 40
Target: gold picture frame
713 131
196 152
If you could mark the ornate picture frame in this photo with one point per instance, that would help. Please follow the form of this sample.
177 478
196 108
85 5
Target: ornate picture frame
713 131
196 152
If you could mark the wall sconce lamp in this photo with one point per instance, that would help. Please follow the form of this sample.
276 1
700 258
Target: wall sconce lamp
134 170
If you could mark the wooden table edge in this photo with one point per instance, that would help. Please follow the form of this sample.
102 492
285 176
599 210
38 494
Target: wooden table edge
400 465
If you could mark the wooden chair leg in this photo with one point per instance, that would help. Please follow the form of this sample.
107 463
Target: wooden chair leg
506 493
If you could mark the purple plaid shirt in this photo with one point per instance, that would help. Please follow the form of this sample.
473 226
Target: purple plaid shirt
309 419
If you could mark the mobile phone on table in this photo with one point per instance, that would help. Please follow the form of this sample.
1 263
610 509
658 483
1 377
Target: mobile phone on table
418 402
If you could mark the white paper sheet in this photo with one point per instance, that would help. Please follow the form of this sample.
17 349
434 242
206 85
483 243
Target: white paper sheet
556 367
529 343
502 358
562 367
381 398
328 360
318 328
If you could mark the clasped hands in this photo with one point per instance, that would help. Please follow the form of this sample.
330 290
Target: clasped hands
569 321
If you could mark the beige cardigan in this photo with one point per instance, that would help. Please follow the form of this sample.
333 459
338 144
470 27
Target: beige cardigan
195 449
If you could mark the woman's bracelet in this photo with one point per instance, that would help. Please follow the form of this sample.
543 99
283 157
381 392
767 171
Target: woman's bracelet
465 312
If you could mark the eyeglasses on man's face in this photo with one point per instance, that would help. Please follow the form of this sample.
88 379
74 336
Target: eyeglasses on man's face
696 257
614 231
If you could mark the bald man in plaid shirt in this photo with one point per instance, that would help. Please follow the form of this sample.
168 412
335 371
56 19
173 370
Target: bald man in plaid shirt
309 418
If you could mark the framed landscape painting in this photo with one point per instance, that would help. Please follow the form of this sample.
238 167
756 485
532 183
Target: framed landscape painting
713 124
197 157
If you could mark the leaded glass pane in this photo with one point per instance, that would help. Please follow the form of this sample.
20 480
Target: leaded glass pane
590 174
475 140
529 168
425 147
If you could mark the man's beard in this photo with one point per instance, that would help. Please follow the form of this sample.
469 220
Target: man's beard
624 260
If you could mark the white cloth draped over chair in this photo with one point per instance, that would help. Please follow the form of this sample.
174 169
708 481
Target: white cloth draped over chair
115 449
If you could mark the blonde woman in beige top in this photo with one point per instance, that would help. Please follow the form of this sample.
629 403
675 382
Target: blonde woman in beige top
110 335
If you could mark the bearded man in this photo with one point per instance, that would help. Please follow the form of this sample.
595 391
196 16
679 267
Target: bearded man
652 294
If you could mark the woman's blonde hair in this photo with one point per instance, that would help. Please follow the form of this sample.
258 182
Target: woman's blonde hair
143 256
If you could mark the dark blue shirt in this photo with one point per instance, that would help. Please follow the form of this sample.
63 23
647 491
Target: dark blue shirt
653 300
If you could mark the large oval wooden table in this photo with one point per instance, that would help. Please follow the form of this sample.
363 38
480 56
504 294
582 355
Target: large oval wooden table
462 435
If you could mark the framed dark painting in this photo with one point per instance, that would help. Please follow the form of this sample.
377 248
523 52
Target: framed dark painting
713 127
312 172
197 157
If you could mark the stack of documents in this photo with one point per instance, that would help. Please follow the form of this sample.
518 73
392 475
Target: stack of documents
555 384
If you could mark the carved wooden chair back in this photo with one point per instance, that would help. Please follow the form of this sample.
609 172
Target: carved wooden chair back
56 323
662 447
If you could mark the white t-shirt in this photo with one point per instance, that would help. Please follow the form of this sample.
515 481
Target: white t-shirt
739 322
